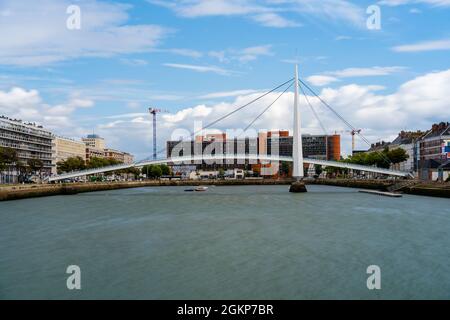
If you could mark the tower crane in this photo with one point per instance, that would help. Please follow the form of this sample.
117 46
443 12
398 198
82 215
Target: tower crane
353 133
154 112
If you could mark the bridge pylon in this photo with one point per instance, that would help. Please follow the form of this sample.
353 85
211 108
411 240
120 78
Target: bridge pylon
298 170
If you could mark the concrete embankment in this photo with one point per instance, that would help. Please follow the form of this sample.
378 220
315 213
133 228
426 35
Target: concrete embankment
430 189
381 185
34 191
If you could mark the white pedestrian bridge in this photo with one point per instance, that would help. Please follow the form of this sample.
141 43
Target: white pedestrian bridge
221 159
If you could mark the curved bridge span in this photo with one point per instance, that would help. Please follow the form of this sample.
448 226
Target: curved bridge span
222 159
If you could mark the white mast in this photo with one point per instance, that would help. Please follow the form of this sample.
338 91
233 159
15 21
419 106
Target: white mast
298 172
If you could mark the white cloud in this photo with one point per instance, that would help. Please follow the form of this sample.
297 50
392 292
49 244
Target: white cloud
424 46
227 94
252 53
415 105
342 38
268 12
182 52
320 80
328 10
202 69
203 8
366 72
334 76
28 105
274 20
436 3
186 52
134 62
242 55
35 32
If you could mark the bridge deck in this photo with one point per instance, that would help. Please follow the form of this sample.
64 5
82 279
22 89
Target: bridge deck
224 159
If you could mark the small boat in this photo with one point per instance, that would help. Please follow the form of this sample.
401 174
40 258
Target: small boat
201 189
189 190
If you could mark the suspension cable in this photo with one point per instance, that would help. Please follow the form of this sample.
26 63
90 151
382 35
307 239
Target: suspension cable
266 109
313 110
232 112
345 121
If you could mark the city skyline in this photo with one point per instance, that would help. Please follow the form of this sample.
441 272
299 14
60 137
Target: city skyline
129 56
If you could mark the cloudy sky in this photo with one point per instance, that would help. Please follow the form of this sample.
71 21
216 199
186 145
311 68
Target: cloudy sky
199 59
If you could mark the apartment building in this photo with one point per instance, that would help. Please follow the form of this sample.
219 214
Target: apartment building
434 152
64 148
128 158
30 141
407 140
94 141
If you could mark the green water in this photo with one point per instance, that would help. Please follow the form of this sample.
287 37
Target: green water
250 242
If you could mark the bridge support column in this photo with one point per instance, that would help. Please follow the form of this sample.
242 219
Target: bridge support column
297 150
298 187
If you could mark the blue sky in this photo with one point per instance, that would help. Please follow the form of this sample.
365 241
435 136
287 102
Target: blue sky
198 59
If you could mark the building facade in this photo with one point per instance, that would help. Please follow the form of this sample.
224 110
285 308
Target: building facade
64 148
30 141
122 157
267 143
128 158
321 147
94 153
94 141
114 155
408 141
434 152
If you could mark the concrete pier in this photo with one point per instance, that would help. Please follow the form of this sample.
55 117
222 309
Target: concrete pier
298 187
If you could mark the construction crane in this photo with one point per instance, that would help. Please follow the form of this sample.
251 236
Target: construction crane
353 133
154 112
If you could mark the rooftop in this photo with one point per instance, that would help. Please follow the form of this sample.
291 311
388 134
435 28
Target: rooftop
94 136
438 129
32 125
407 137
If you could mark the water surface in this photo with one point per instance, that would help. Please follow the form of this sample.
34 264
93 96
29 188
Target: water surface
246 242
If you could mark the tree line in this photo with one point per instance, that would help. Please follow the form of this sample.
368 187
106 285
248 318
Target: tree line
382 159
77 164
10 159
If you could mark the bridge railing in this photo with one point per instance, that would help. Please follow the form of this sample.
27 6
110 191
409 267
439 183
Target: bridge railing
223 158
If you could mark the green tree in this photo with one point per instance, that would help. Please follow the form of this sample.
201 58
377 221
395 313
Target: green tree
221 173
397 155
95 162
359 158
135 171
156 172
318 169
71 164
284 168
165 170
8 156
35 165
147 170
23 170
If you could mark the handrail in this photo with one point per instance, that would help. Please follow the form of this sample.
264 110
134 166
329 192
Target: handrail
229 157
